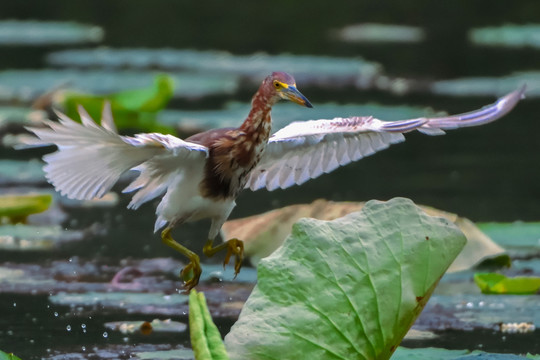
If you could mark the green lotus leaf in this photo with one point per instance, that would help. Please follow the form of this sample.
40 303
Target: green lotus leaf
205 337
347 288
6 356
492 283
134 109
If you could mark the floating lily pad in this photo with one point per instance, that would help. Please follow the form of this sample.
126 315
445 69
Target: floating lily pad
145 327
489 86
22 116
516 235
23 237
164 354
18 207
380 33
337 277
129 351
511 36
492 283
118 299
15 172
108 200
403 353
306 69
27 85
18 32
284 113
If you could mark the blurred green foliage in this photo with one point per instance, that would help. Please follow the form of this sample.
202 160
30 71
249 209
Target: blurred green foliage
16 208
132 109
492 283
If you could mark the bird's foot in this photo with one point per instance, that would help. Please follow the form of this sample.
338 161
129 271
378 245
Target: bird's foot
191 274
235 247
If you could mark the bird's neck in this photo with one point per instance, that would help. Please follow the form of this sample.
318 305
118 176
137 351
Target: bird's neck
259 120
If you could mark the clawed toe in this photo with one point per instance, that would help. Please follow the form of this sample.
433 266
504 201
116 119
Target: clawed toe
235 247
191 275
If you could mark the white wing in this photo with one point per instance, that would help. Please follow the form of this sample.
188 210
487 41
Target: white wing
91 158
305 150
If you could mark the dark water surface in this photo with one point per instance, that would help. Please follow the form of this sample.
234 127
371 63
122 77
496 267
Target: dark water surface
486 174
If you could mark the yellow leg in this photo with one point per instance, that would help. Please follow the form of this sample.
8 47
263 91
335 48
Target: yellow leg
194 265
234 247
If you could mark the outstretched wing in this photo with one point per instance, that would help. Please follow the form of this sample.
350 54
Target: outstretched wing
91 158
305 150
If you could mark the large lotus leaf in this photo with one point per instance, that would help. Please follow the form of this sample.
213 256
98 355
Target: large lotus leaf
348 288
264 233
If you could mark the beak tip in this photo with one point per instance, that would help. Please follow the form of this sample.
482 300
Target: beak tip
308 104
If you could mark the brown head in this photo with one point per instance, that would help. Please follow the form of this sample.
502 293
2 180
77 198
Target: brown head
281 85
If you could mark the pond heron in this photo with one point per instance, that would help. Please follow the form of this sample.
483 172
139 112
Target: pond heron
201 176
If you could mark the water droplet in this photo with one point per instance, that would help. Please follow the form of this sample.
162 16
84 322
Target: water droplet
83 326
14 304
105 335
32 341
55 314
83 348
68 328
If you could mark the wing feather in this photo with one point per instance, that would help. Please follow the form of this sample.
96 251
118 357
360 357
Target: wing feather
305 150
91 158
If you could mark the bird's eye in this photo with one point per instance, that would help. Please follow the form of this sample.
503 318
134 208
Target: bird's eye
277 85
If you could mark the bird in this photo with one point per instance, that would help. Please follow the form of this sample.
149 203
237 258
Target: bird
201 176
